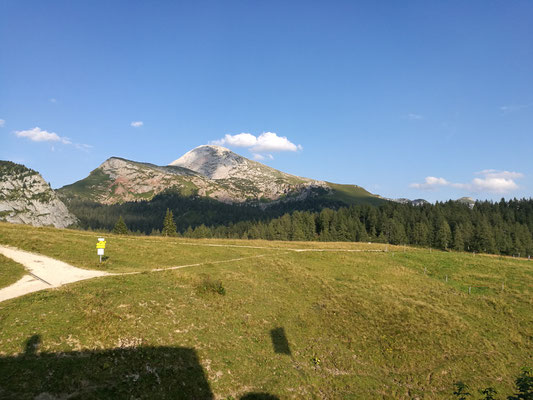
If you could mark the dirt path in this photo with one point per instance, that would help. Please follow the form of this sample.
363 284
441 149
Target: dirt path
288 248
46 273
42 273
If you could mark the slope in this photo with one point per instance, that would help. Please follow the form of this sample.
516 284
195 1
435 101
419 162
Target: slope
321 323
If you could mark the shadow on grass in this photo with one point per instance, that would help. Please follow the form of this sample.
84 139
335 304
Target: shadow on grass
279 341
141 372
122 373
258 396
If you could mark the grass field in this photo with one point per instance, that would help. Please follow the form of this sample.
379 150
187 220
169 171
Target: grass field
10 271
292 324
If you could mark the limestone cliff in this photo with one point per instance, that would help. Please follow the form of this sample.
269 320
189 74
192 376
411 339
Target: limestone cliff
26 198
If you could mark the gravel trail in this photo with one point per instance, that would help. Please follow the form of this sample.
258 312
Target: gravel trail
42 273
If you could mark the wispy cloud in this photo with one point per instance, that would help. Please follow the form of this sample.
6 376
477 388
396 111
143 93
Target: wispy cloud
414 117
82 146
53 100
38 135
2 123
137 124
260 157
264 143
514 107
490 180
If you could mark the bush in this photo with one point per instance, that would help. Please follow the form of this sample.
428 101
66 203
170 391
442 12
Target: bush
523 383
208 285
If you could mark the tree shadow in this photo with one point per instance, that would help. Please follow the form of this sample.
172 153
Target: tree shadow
122 373
258 396
279 341
143 372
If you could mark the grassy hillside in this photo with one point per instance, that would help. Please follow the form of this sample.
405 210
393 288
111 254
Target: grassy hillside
90 188
10 271
326 323
352 194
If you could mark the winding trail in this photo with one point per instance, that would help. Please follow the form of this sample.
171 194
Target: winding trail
45 272
287 248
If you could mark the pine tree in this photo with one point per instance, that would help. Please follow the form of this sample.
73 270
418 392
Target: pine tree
421 234
169 226
483 238
443 235
458 238
120 227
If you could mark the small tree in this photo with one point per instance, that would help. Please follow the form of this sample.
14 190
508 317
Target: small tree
488 393
169 226
461 391
524 385
120 227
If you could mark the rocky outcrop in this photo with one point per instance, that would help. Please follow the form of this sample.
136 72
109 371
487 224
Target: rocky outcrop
469 201
239 174
26 198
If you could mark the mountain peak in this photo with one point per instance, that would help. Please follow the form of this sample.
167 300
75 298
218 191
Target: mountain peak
213 147
214 162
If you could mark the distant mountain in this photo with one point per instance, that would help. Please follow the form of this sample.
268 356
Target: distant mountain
469 201
207 171
26 198
416 202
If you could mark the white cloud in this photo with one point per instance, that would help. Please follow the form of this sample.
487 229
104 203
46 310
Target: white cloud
137 124
240 140
269 141
264 143
492 181
492 173
2 122
430 182
495 185
414 117
38 135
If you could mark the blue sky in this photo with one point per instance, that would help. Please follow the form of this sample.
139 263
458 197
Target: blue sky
418 99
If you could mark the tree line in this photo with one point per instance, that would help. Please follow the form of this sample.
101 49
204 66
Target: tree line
503 227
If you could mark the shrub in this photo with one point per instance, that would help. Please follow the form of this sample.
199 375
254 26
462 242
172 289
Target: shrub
209 285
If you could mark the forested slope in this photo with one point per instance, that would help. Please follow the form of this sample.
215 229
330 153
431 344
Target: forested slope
503 227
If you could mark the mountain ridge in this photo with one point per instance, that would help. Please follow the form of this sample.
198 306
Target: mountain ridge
207 171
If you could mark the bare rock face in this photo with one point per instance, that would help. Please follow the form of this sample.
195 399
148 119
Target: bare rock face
239 174
26 198
215 162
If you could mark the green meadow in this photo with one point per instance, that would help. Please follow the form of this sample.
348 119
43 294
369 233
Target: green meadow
250 319
10 271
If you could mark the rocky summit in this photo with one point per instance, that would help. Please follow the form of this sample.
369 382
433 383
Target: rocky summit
26 198
216 162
